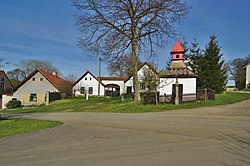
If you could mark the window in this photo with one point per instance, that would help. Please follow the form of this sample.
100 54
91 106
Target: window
86 78
33 97
177 56
90 90
142 86
90 78
41 79
2 85
82 90
33 79
2 79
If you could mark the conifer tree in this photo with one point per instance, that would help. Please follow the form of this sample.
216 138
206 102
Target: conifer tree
211 70
195 56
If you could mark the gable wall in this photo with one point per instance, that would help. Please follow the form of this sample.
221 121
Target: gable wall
7 84
247 75
140 77
38 87
90 82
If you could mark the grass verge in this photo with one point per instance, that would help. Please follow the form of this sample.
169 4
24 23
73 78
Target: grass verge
95 104
18 126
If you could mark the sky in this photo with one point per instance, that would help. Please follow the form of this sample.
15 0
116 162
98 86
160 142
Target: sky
45 30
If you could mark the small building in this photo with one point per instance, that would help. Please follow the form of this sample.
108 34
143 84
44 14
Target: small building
35 88
6 89
178 71
88 83
247 68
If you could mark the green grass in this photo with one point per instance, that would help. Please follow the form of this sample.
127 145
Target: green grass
95 104
18 126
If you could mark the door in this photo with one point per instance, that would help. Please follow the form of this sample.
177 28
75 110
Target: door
129 89
1 98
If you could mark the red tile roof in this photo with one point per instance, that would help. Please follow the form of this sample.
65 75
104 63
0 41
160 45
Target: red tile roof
56 81
177 47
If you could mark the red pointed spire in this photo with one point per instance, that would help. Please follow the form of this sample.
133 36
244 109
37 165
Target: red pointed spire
177 48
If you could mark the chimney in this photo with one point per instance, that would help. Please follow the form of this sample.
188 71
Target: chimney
54 73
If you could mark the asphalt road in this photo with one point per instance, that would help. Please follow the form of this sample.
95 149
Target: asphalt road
214 136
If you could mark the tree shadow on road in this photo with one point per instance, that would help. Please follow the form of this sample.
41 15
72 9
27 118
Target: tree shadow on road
237 145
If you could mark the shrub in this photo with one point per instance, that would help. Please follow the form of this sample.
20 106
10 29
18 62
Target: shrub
13 104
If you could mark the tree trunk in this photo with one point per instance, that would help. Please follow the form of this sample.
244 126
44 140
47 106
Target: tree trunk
137 97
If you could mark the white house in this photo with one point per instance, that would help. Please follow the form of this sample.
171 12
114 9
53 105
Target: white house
141 70
247 67
178 71
88 83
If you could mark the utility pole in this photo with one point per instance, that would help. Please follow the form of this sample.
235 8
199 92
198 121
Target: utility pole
99 73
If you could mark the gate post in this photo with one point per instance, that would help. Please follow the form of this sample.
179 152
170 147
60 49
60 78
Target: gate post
176 92
47 98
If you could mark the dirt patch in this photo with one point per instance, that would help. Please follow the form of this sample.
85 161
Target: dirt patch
237 109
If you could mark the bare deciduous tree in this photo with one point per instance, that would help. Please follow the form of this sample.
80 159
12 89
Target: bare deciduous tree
3 63
28 66
70 77
236 71
118 27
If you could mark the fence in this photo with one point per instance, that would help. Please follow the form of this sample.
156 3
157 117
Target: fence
52 96
205 94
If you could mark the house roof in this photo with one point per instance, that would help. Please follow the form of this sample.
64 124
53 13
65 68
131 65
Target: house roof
145 63
177 47
114 78
182 72
87 72
246 66
2 72
56 81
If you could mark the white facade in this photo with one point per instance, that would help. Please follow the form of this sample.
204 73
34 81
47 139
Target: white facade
88 84
6 99
120 83
140 72
166 85
247 67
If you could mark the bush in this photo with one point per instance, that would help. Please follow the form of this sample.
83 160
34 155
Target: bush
13 104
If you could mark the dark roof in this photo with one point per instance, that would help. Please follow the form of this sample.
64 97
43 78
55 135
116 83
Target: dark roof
246 66
183 72
56 81
114 78
87 72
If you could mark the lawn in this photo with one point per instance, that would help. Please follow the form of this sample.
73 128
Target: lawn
102 104
18 126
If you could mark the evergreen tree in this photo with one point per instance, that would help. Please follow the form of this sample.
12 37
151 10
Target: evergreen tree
184 45
195 56
211 70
